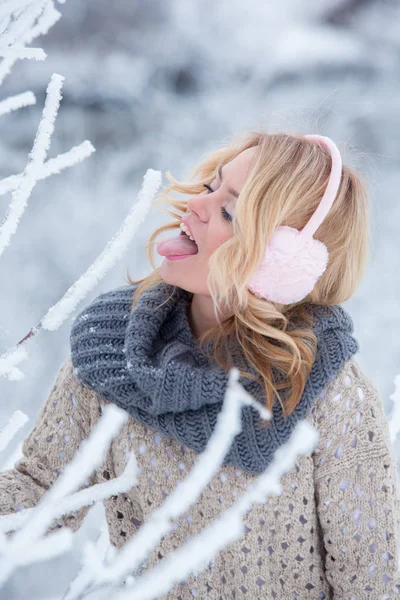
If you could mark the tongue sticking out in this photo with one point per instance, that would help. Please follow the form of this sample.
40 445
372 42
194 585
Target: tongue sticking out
181 244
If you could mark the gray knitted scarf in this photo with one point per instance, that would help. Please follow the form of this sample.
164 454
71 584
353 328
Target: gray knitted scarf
148 362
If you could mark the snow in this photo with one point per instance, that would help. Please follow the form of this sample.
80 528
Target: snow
85 497
52 166
16 102
36 158
28 538
17 420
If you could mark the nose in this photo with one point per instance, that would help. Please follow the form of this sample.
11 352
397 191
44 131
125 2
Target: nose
197 205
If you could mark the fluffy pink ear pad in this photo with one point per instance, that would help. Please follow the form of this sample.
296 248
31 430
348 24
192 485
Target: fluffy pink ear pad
291 267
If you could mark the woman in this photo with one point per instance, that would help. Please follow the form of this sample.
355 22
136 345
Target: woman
161 348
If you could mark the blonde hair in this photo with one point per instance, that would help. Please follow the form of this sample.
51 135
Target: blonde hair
286 182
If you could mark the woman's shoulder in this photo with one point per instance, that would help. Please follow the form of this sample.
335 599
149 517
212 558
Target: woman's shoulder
350 418
348 392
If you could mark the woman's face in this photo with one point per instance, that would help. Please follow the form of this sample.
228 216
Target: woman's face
209 214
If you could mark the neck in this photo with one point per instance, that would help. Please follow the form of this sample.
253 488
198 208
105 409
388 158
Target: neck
201 315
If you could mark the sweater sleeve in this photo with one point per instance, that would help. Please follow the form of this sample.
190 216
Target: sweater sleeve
356 489
64 420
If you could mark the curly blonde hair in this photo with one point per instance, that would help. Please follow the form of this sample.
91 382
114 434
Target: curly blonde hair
286 182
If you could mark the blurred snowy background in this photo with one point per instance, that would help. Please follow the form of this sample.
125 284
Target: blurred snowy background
157 85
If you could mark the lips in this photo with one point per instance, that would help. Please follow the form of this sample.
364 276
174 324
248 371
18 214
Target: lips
186 222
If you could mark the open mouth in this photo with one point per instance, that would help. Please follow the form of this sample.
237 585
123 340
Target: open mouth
180 246
185 232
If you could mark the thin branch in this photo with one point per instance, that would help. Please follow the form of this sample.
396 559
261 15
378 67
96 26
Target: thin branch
160 522
9 362
228 527
114 249
19 51
21 24
16 421
90 455
16 102
47 19
53 166
36 159
85 497
54 544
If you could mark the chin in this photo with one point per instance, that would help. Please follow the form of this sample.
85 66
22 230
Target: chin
173 273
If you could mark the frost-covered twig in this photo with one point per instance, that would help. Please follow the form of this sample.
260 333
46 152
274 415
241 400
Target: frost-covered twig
11 40
16 421
20 25
228 527
159 523
16 102
5 67
217 535
9 361
52 166
82 581
12 458
54 544
47 19
19 51
111 253
84 497
36 159
10 7
89 456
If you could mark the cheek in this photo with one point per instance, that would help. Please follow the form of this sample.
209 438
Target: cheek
224 236
217 240
218 236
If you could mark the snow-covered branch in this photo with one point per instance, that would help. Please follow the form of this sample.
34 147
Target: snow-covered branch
22 23
84 497
91 454
36 159
227 528
17 420
45 16
18 51
16 102
132 556
52 167
54 544
19 24
160 523
113 251
9 362
102 550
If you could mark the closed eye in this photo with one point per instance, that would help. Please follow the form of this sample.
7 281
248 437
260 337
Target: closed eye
225 215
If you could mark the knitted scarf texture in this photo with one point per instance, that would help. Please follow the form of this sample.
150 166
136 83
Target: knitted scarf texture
147 362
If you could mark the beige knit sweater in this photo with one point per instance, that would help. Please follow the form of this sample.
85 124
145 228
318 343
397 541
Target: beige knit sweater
333 533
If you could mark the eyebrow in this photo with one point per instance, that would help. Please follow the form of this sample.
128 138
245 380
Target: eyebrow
230 190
